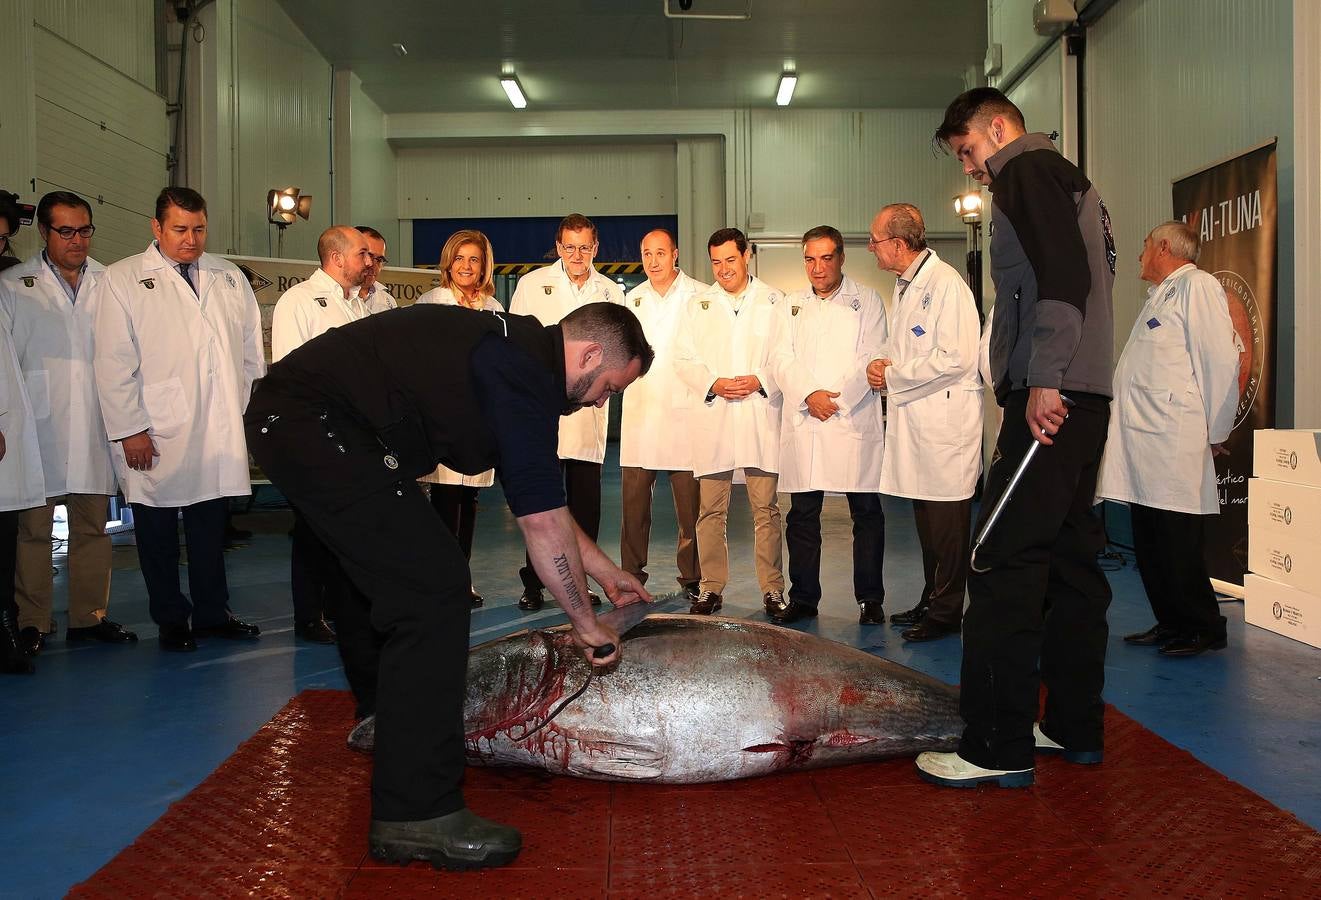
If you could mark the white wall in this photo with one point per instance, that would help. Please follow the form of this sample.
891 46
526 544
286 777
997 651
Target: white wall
373 173
1172 87
18 125
119 33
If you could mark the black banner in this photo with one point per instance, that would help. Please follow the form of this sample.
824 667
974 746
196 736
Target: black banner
1233 206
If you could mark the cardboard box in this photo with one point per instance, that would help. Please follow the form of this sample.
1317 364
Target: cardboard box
1292 455
1284 507
1284 610
1285 557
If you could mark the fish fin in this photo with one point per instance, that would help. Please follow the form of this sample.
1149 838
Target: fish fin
616 759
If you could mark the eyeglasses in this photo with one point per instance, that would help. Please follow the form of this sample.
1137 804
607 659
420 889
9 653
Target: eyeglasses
67 233
876 242
585 250
379 260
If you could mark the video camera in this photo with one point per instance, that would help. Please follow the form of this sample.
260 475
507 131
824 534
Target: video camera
14 212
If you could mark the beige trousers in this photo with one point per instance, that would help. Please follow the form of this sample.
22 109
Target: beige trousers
712 540
88 564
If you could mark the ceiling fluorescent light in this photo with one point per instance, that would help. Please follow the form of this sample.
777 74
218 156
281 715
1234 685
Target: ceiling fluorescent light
788 81
513 90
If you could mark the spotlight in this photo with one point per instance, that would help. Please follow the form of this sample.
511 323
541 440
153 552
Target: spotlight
788 81
513 90
287 205
968 207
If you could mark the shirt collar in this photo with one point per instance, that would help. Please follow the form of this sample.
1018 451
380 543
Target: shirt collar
71 290
174 263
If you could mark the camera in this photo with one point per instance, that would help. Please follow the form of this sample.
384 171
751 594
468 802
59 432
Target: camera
14 212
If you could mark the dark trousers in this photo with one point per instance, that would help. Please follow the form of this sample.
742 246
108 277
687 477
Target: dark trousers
1169 547
944 530
315 577
802 532
636 488
414 583
1038 613
457 506
156 530
582 489
8 563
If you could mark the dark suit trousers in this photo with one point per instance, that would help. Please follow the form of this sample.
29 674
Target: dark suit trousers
1170 548
802 532
156 530
944 530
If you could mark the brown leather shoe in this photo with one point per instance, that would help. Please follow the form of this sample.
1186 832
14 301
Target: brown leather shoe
707 602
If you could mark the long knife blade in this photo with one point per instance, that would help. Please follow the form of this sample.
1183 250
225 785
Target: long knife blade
623 618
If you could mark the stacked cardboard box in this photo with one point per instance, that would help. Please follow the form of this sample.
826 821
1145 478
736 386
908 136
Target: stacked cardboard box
1282 591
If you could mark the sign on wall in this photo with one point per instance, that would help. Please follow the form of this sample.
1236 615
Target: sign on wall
1233 207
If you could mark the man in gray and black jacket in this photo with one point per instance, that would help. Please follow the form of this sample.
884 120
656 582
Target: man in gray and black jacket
1038 598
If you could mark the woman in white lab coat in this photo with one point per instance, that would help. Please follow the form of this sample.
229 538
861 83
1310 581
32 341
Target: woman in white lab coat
21 487
467 265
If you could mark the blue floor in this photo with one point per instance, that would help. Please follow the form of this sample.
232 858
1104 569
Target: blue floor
103 739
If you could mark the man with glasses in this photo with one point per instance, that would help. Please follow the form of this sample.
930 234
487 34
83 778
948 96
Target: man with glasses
45 305
373 293
551 293
331 297
177 348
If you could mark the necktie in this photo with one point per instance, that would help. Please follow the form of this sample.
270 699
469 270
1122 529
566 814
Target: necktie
903 286
183 270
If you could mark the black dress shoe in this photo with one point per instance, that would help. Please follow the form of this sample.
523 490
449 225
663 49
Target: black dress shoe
871 612
910 618
707 602
927 630
12 659
477 599
531 600
1193 644
691 590
317 631
177 638
794 611
594 597
1154 636
232 629
31 640
105 631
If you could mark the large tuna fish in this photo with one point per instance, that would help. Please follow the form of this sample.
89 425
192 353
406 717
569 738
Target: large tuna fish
696 699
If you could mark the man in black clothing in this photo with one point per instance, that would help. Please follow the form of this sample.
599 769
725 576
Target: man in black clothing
346 423
1037 597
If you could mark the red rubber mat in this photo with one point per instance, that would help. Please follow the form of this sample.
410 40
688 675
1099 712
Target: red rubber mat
287 815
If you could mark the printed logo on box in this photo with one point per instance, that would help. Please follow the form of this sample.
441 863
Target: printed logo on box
1277 610
1293 460
1288 516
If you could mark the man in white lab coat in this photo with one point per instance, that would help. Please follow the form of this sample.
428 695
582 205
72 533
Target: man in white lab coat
330 298
551 293
653 436
177 348
833 434
372 292
933 432
1176 393
46 304
730 340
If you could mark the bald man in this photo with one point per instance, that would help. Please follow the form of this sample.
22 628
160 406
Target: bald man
331 297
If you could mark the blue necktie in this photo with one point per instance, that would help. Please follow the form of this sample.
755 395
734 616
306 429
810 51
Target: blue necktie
183 270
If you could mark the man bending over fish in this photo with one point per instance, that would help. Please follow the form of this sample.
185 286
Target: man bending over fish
344 425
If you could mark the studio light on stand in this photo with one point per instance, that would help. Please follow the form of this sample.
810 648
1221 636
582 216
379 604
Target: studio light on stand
284 207
968 207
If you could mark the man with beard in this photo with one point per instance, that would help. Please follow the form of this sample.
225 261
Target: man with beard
344 426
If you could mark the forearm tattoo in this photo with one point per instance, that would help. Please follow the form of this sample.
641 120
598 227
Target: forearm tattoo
566 578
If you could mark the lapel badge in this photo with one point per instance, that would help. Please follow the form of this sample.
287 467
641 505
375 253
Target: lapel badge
549 290
706 304
28 281
148 283
856 304
637 302
229 280
1169 295
391 461
926 301
794 309
322 301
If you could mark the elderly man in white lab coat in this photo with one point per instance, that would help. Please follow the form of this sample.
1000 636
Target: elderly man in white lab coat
373 292
933 430
1176 393
551 293
177 347
329 298
654 434
47 307
730 340
833 435
21 487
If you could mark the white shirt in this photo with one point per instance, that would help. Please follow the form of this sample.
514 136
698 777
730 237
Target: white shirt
654 431
309 309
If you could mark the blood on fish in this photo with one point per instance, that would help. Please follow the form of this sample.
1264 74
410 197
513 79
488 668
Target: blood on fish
850 696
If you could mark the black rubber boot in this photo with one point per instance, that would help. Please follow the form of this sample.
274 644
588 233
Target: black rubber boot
460 840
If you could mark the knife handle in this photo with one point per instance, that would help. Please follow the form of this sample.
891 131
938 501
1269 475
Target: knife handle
603 651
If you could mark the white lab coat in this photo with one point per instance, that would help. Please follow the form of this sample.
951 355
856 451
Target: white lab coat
548 294
21 482
654 431
1176 393
444 475
180 366
309 309
831 342
53 343
379 300
713 343
933 431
